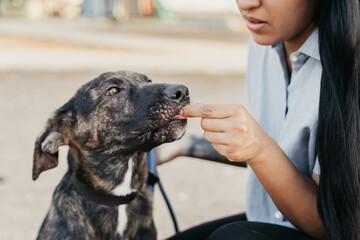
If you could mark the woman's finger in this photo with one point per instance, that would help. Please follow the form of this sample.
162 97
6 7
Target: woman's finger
214 125
217 137
221 149
207 111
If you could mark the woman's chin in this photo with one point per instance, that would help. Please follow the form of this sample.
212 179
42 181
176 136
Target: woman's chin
264 39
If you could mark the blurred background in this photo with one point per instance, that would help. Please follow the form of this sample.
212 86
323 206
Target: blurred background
49 48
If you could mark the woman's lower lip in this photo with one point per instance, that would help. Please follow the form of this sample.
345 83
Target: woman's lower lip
254 27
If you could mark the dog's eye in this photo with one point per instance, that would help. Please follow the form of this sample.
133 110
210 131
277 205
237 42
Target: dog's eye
112 91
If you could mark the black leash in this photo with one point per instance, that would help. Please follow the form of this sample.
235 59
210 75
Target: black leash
154 178
173 217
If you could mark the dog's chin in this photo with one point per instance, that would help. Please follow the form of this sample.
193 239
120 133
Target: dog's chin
172 131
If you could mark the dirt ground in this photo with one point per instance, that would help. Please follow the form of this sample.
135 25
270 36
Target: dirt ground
198 190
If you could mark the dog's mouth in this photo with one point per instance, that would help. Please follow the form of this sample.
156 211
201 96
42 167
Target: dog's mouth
178 117
165 125
171 131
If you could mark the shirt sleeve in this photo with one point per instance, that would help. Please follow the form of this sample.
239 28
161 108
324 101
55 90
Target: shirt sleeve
316 168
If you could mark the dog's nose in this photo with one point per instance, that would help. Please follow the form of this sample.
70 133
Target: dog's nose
176 93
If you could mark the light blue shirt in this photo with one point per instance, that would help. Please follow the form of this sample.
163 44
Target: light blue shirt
287 109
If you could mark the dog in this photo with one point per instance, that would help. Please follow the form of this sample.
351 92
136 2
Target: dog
109 125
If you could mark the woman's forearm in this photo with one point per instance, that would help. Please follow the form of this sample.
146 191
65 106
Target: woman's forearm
294 194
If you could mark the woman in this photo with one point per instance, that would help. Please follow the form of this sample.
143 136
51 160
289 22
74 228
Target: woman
303 83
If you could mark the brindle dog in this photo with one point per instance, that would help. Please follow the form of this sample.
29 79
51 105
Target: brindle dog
109 125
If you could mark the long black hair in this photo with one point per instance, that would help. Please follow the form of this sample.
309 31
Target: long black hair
338 137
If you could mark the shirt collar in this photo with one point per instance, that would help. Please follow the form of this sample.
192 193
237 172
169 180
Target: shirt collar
311 45
309 48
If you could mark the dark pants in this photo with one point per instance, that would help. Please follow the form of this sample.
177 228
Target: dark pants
237 227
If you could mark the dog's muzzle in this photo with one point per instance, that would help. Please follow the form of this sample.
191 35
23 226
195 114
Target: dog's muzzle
165 124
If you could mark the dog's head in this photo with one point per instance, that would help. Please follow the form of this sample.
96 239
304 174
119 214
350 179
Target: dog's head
116 113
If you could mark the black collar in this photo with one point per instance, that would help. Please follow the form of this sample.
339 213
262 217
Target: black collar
101 197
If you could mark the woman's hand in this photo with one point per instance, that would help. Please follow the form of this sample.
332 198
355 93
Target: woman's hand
236 135
232 131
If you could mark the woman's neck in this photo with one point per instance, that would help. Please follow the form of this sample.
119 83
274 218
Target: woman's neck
295 43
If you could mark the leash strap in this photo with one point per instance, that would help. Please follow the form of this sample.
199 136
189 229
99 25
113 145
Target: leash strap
153 179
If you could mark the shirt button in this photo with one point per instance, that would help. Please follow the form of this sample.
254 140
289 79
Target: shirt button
278 215
294 58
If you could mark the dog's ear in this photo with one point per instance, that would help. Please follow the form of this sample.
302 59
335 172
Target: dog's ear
48 142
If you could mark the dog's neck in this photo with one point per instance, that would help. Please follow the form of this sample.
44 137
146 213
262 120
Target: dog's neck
119 175
101 197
